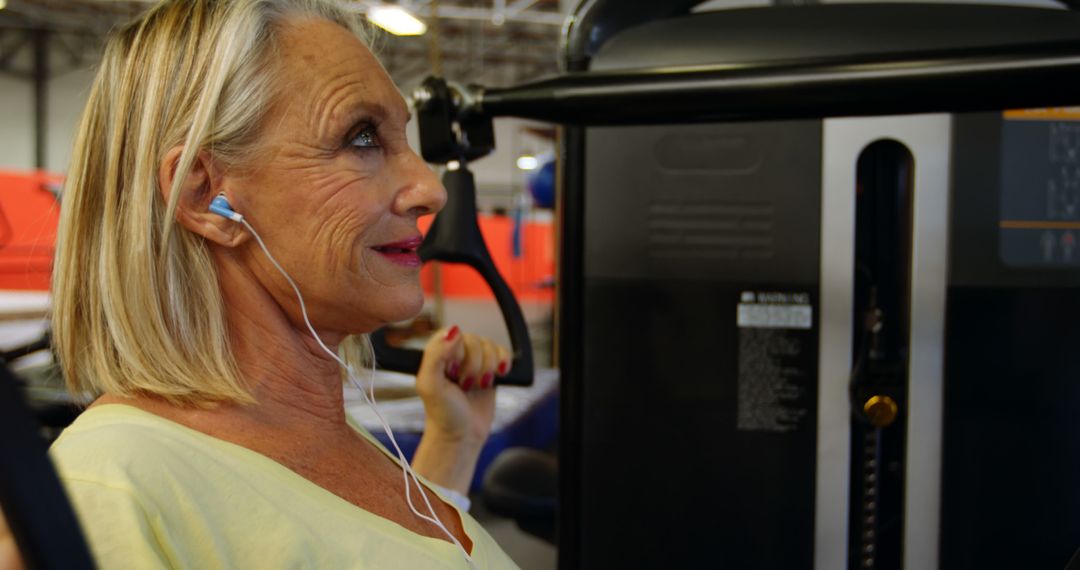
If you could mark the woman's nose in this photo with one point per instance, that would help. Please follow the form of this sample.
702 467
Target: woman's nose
419 190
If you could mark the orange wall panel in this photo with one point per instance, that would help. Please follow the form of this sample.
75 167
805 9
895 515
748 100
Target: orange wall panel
529 276
29 214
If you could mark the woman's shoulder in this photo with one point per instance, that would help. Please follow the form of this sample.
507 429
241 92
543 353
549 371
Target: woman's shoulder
115 443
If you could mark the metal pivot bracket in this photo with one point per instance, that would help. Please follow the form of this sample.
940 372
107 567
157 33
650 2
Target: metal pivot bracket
449 127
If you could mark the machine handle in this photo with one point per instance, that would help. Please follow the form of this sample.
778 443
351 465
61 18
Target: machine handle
455 237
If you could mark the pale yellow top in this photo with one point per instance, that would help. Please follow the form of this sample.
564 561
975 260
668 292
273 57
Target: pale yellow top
151 493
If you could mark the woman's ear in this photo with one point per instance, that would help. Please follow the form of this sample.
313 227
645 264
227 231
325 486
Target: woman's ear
202 184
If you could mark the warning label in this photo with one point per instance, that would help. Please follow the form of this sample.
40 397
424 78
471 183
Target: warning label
773 390
775 310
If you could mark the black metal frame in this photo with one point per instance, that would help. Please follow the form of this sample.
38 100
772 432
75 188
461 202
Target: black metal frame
932 81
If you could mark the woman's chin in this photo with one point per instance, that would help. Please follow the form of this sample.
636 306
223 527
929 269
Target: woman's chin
404 306
373 308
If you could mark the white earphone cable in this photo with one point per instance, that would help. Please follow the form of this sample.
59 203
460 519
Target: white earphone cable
406 469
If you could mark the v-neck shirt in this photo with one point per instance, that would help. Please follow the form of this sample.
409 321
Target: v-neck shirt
151 493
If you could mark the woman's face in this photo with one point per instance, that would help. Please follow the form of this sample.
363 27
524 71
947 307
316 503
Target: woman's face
338 192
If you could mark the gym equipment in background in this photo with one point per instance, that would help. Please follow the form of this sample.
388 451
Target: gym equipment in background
816 293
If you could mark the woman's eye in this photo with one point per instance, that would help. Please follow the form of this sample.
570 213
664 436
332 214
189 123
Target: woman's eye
366 138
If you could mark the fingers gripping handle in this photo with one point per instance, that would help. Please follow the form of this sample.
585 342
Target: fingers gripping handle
407 360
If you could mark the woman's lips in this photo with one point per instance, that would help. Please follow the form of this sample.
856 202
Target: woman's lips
403 252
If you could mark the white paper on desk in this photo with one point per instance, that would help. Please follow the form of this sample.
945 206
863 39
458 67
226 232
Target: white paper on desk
24 330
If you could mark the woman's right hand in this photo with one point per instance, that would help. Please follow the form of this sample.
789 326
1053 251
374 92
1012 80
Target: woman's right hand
456 382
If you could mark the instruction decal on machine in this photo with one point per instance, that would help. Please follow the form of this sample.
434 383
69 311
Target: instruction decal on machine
775 310
774 329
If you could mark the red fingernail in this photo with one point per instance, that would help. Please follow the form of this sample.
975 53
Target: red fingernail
452 333
485 382
452 370
503 368
467 383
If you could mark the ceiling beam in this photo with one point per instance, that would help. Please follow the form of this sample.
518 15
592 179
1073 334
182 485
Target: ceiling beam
520 6
10 49
486 14
451 12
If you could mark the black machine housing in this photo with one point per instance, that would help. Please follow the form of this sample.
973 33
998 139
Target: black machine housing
669 220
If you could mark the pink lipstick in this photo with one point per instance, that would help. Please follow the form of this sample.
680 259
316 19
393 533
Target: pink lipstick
402 252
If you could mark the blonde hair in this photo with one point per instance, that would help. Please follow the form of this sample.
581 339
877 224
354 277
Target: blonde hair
137 308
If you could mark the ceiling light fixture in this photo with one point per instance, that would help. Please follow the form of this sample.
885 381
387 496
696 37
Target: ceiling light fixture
395 19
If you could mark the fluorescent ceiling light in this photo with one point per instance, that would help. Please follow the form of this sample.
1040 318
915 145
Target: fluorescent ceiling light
3 4
527 162
395 20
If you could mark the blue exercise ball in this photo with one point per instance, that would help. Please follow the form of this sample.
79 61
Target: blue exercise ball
541 184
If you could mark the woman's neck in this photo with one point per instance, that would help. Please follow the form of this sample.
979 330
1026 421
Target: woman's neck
295 383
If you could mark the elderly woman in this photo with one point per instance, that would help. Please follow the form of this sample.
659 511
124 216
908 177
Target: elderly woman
220 438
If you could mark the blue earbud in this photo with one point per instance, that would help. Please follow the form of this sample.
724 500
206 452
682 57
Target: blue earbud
220 206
